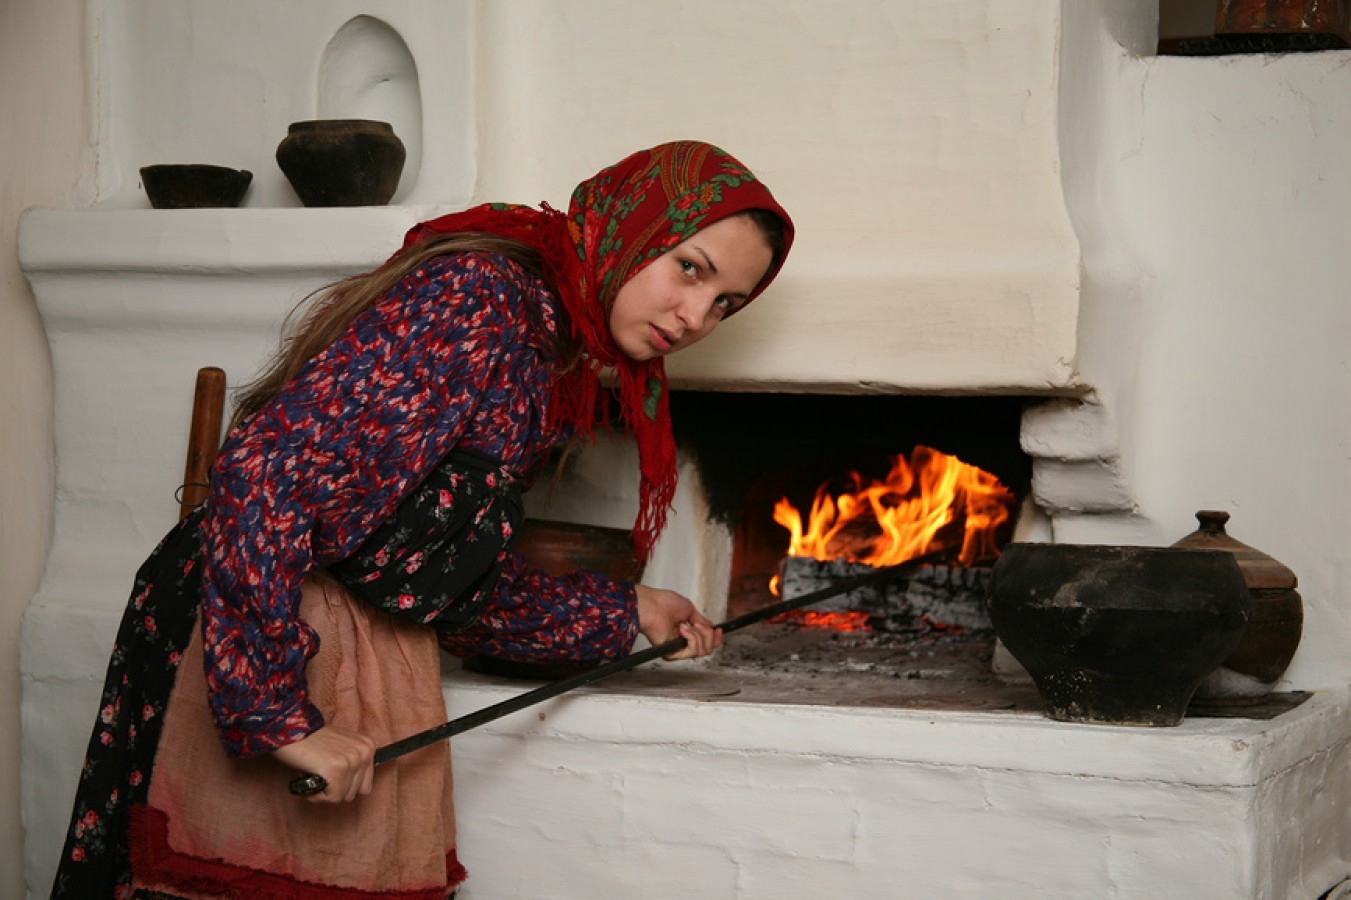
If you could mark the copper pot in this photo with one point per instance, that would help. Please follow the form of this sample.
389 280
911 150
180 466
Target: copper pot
1273 633
562 547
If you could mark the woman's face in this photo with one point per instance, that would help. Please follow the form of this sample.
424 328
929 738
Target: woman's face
682 295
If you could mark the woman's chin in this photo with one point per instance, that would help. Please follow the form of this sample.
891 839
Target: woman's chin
638 351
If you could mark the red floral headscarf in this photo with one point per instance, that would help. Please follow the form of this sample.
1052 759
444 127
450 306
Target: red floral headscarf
617 222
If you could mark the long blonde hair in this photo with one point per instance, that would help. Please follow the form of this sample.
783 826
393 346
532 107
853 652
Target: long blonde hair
322 316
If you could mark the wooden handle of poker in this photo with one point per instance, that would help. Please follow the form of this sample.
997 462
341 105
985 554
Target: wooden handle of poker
208 403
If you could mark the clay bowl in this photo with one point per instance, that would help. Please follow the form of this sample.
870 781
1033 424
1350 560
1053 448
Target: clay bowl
192 185
1117 635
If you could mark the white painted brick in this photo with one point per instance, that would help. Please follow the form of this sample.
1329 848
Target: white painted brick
938 851
551 803
802 877
1095 486
1069 430
1097 800
1125 529
1183 864
1321 831
579 871
908 784
1091 811
802 815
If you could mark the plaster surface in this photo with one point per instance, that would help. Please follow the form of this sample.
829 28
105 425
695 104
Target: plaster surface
219 83
957 234
1210 195
47 159
730 799
917 155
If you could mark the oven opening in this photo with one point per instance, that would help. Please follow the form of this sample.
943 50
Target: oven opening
819 488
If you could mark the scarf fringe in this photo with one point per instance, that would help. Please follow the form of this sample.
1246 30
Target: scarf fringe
576 398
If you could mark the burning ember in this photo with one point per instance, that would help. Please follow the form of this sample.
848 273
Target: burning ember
835 621
930 502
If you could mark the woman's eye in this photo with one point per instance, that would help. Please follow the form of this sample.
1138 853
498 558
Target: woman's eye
688 268
725 304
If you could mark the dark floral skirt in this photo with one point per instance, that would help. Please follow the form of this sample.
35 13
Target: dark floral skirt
157 625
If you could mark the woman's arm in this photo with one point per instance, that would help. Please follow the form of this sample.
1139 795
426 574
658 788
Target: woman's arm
580 616
315 469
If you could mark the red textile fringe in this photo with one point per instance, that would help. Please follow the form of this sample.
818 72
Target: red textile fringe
577 396
153 858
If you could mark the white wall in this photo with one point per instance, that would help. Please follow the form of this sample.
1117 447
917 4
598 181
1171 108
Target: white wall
913 142
945 115
220 82
1210 197
44 159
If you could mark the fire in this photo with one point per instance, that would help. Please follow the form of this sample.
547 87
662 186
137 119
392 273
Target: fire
933 501
835 621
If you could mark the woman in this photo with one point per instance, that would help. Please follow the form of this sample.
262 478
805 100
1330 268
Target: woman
364 503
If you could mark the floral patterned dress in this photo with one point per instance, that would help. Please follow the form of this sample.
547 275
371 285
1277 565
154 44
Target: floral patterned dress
394 461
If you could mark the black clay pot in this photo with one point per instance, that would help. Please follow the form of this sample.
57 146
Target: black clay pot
194 185
342 162
1119 635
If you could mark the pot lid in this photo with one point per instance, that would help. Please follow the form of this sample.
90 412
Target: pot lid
1260 571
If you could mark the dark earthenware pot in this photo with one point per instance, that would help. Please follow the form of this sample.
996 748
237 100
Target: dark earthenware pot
1119 635
1277 624
342 162
194 185
561 547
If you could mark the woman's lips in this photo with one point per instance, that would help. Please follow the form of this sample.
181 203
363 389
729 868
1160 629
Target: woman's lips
661 341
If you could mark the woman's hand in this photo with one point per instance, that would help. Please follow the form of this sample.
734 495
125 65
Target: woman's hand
665 615
345 759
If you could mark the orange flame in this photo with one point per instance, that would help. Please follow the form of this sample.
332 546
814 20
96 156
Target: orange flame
906 515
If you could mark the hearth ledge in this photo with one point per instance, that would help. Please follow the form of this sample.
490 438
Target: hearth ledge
1220 753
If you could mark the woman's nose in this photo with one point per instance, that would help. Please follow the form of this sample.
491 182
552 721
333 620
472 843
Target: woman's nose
693 309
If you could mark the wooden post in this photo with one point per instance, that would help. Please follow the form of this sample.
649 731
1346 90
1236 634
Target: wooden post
208 404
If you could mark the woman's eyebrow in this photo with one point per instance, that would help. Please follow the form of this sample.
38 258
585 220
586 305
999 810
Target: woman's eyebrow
707 260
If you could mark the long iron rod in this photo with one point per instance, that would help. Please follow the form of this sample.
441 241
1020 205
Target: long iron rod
314 784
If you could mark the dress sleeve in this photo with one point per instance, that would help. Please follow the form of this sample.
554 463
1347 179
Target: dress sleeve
311 472
536 617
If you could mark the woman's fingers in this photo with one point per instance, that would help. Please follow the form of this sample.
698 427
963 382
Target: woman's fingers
344 759
701 638
701 635
665 615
